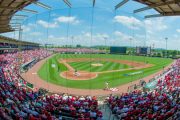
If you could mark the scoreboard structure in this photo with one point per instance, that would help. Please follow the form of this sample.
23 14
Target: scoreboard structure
143 50
118 50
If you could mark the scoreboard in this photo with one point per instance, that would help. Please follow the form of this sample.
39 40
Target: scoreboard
143 50
118 50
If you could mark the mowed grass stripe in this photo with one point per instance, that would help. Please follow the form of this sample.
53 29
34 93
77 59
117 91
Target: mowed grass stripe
105 66
86 67
73 63
117 67
97 68
112 67
73 56
100 68
78 66
64 56
67 56
122 66
127 66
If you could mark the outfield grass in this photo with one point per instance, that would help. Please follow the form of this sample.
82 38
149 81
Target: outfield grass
51 75
106 66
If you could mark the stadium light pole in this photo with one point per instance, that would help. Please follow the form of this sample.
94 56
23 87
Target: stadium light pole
72 38
105 38
130 40
153 48
166 39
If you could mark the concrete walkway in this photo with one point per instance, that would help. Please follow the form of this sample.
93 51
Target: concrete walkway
107 114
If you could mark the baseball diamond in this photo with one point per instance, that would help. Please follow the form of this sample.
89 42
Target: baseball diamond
89 60
113 70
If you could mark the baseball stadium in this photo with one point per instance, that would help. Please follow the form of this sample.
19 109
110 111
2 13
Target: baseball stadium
89 60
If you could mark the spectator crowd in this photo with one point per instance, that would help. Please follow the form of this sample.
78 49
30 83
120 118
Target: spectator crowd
161 103
18 103
78 50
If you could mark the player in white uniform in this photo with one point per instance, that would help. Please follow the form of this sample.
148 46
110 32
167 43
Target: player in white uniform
106 86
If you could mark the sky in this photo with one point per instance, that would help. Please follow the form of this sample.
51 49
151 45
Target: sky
101 25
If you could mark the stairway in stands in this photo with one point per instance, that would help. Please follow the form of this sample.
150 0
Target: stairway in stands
107 114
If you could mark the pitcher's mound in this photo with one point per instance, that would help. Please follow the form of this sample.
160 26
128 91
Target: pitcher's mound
80 75
97 64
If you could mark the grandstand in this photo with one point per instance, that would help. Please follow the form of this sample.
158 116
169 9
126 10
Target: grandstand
11 45
75 81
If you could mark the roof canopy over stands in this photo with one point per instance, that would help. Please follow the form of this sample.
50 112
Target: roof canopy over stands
7 9
164 7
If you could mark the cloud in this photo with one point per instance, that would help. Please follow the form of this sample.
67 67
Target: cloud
83 39
26 28
87 34
140 36
47 25
155 25
178 30
122 35
130 22
65 19
151 25
101 36
97 39
123 39
176 36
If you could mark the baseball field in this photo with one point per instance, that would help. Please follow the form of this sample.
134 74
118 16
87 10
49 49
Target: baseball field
91 71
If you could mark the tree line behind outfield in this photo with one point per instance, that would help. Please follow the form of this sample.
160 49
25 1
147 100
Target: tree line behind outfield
166 53
131 51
